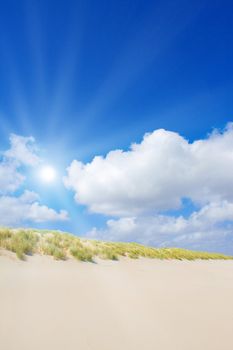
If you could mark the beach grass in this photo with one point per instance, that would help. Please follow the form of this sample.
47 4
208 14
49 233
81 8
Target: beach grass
61 246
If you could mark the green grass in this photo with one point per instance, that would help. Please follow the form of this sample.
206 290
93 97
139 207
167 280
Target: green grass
23 242
81 253
51 249
61 245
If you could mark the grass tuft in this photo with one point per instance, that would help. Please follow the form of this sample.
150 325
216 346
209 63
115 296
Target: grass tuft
82 254
20 242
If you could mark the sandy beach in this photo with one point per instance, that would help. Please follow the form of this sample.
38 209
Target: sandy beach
110 305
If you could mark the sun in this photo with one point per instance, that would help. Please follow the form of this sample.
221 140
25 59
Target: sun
47 173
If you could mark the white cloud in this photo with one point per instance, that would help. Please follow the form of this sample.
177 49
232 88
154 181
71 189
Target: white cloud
154 175
202 229
23 150
26 208
10 178
141 185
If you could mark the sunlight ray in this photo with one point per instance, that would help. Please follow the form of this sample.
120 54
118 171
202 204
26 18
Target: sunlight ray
16 95
137 56
68 64
36 49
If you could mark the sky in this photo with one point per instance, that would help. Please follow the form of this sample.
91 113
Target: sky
116 120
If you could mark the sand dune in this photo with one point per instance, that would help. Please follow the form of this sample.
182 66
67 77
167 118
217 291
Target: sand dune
130 304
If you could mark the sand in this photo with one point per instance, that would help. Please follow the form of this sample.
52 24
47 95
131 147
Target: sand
130 304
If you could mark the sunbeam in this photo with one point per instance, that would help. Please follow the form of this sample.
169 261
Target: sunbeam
36 49
137 55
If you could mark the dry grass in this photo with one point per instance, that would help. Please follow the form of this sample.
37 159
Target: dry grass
64 245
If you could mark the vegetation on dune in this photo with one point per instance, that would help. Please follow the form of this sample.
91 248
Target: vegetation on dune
23 242
62 245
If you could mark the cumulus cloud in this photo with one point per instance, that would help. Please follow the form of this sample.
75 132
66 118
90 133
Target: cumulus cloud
22 150
10 178
139 187
26 208
202 229
154 175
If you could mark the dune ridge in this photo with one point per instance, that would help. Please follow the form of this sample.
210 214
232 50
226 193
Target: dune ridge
62 245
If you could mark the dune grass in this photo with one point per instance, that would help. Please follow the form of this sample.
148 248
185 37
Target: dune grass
61 245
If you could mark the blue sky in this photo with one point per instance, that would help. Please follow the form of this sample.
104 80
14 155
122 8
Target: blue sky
84 78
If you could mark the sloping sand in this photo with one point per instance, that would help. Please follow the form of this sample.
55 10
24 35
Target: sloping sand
130 304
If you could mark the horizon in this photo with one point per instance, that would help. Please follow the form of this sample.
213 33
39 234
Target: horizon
117 120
